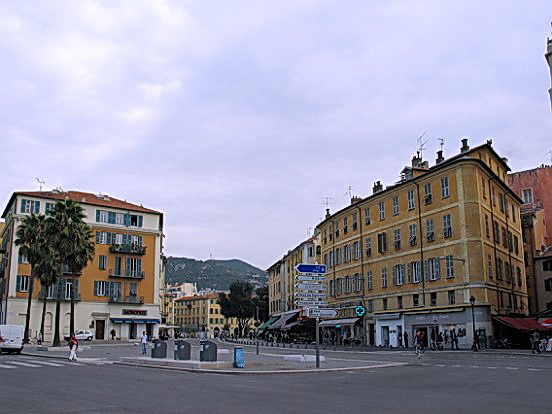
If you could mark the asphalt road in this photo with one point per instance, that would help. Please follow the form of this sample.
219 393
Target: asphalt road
450 382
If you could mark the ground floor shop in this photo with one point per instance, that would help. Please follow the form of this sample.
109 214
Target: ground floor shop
105 320
345 331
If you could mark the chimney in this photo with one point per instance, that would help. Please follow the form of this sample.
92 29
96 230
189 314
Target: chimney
505 160
440 157
465 146
355 199
327 213
377 187
416 161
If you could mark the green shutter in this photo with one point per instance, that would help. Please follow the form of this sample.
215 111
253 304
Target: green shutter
111 217
97 216
37 207
23 205
127 219
96 283
18 284
140 221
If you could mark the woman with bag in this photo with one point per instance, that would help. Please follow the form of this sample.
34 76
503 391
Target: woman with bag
73 345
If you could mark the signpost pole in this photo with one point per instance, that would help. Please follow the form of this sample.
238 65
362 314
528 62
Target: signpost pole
317 344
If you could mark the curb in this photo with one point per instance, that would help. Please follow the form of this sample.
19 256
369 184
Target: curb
272 372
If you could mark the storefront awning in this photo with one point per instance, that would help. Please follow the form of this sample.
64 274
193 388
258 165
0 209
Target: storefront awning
129 320
290 325
340 322
279 324
266 324
547 322
522 324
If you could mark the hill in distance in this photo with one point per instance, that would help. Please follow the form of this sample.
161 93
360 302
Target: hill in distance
214 274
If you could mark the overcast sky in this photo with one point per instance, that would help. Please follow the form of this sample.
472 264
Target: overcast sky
236 118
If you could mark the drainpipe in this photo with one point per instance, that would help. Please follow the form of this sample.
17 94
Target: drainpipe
421 243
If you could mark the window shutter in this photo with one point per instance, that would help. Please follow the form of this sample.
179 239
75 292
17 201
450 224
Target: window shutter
394 275
127 219
111 217
128 266
426 270
139 265
409 269
37 207
437 268
42 291
140 221
76 289
97 216
96 283
18 284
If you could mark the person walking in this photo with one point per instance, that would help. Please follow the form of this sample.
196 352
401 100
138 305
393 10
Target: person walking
73 345
535 341
113 333
405 338
144 342
453 339
39 338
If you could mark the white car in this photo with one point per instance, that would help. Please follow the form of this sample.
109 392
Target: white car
83 335
11 338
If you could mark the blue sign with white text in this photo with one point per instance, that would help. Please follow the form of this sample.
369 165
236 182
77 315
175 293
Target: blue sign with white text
311 268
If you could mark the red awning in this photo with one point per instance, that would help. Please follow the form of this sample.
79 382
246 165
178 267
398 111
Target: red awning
547 322
523 324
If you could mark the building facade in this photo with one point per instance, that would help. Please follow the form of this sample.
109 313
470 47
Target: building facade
415 253
118 290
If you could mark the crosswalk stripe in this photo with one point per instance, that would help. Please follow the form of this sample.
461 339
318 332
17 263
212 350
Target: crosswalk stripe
7 366
51 364
23 364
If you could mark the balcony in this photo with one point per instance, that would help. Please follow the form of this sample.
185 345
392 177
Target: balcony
128 249
129 274
127 300
68 271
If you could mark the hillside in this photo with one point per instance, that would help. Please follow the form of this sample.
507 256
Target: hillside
214 274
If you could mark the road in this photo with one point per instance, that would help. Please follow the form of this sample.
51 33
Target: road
451 382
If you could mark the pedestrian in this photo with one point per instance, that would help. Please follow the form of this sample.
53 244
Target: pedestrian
453 338
73 345
399 340
39 338
144 341
535 341
113 333
405 338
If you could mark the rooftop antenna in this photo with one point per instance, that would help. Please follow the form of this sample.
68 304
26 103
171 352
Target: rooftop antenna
550 154
326 201
421 144
441 143
309 229
349 191
41 183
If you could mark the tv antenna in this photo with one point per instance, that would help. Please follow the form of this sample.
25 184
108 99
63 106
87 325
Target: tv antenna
549 153
326 201
41 183
349 191
421 144
309 230
441 142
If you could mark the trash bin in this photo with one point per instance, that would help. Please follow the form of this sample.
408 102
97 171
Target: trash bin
207 351
239 357
182 350
159 349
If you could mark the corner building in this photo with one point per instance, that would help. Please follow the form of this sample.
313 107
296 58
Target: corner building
414 253
118 289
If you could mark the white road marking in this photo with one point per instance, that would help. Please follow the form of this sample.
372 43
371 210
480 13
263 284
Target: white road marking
51 364
475 366
7 366
440 365
492 367
534 369
23 364
456 366
512 368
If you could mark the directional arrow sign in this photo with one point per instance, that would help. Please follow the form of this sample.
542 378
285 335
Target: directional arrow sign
311 295
311 286
321 313
310 278
310 303
311 268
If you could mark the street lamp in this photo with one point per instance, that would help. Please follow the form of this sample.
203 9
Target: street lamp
472 301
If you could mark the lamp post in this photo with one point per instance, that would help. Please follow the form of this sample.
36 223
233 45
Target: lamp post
472 301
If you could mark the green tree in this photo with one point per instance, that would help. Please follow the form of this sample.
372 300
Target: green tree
47 271
238 303
32 242
71 239
261 304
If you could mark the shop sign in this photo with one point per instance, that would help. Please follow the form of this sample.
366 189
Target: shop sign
135 312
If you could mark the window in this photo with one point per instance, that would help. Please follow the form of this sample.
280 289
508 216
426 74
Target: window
445 187
395 205
447 227
399 302
493 198
399 269
332 288
382 242
483 188
416 299
547 265
70 289
501 202
487 230
49 207
381 210
433 298
490 266
548 284
337 229
384 277
527 196
23 283
355 221
134 267
496 232
30 206
358 282
367 216
449 262
103 262
430 233
427 193
23 259
499 274
414 272
370 304
516 244
100 288
397 237
385 303
513 213
519 280
412 234
369 280
452 297
410 197
356 250
345 225
101 237
368 247
433 269
347 253
101 216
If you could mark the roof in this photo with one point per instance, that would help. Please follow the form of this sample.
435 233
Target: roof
82 197
522 324
198 297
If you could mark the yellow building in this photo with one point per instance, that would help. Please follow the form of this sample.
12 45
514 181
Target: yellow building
118 290
201 315
414 253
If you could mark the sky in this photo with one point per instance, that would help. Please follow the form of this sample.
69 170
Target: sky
238 119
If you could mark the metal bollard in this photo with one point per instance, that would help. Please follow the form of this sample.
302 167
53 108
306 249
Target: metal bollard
257 348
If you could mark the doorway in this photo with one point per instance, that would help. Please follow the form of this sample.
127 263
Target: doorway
385 335
132 329
100 329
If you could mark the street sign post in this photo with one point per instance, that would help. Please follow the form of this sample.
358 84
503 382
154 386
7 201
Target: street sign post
311 286
311 278
311 268
321 313
311 303
311 295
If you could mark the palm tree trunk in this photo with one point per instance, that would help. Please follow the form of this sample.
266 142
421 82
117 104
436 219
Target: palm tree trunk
28 315
57 341
43 314
72 323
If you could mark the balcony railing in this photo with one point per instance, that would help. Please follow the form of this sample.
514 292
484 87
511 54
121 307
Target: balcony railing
128 249
68 271
129 274
127 300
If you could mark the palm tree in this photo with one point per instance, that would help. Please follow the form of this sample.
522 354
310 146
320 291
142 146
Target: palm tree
70 237
47 270
31 239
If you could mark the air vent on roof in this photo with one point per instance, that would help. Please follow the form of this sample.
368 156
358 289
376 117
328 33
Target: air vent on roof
57 190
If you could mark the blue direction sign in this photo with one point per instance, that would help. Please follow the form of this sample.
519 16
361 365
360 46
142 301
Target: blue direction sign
311 268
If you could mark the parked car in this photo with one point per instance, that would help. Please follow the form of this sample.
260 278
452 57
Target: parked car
11 338
83 335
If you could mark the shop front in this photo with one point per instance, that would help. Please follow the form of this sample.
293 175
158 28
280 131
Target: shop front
347 331
389 330
131 328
